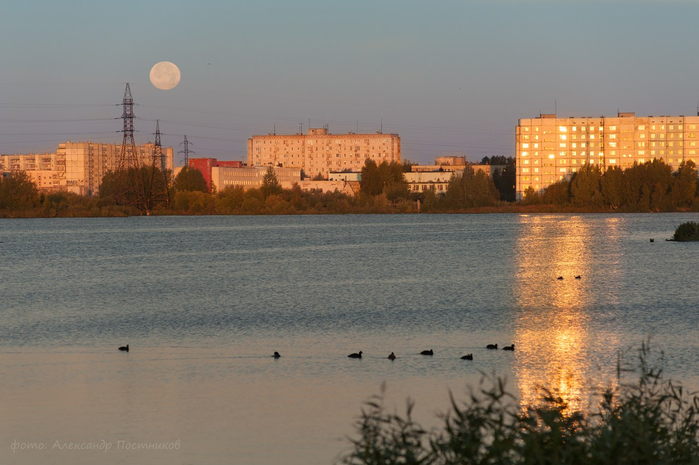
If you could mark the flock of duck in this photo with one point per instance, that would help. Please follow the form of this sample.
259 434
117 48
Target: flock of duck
392 356
429 352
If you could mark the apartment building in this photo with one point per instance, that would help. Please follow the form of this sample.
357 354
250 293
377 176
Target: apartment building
76 166
549 148
320 152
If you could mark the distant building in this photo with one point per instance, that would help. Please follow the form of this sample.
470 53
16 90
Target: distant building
349 176
450 161
76 166
250 177
344 187
206 165
320 152
549 148
420 181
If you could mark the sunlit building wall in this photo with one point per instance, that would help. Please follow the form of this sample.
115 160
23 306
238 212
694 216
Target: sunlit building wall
249 177
320 152
420 181
76 166
549 149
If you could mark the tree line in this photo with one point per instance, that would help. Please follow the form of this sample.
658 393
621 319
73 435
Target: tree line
651 186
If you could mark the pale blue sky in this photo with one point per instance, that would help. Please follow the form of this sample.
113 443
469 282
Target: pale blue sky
449 76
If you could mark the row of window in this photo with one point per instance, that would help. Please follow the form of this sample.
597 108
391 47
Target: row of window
640 127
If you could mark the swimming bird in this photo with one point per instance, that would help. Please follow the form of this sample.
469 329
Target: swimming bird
467 357
392 356
512 347
652 240
578 277
359 355
560 278
124 348
427 352
276 355
491 346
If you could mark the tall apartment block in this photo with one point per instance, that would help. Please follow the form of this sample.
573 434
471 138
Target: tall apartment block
549 149
76 166
320 152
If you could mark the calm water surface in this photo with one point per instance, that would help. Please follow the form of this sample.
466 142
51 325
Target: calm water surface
204 301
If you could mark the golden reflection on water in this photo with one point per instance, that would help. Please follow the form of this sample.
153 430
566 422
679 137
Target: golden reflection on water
552 325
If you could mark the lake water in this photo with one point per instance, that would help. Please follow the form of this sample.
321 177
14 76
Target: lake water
203 302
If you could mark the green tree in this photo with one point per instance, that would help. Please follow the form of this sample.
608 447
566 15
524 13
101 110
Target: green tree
190 179
386 178
685 185
505 180
230 200
531 196
471 189
557 193
18 192
195 202
270 183
612 184
585 186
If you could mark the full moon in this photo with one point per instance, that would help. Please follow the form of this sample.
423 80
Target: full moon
165 75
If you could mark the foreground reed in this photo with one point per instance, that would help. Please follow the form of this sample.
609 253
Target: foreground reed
649 421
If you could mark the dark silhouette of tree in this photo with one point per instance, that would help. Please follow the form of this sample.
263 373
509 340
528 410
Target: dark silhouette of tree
531 196
270 183
612 185
685 186
585 186
190 179
505 179
471 189
386 178
497 160
18 192
557 193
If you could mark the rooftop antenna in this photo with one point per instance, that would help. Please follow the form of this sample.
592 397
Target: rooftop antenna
555 106
357 126
697 107
300 128
275 129
309 123
381 125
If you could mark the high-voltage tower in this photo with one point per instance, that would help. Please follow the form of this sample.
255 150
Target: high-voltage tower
158 181
138 182
186 151
128 157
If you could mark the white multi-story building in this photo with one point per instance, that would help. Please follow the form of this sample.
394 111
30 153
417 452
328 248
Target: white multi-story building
76 166
549 149
320 152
